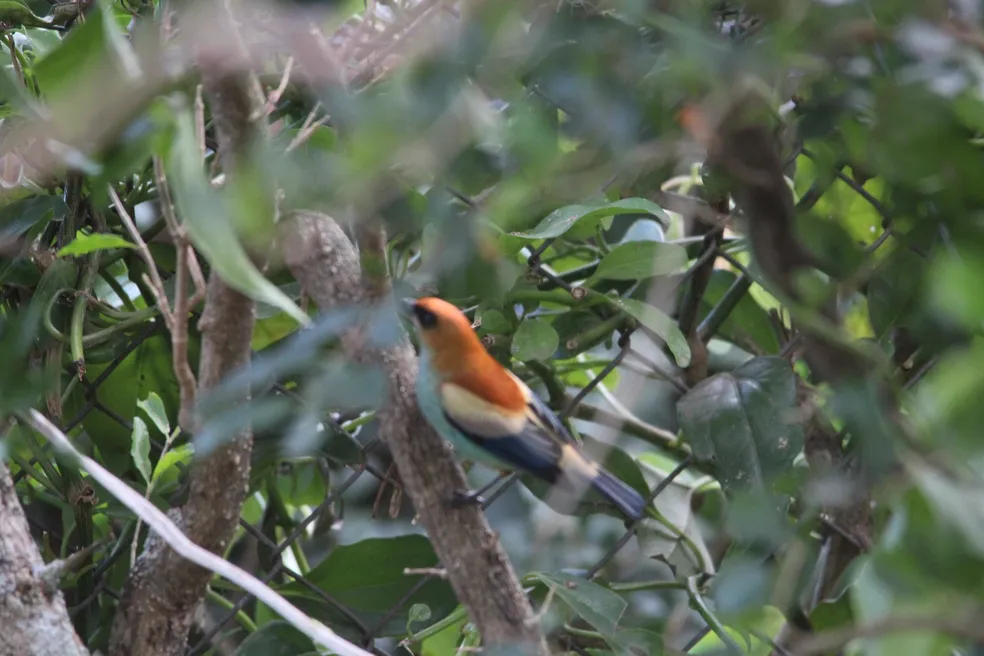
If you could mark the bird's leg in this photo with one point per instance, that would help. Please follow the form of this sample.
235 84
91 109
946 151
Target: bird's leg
463 498
466 497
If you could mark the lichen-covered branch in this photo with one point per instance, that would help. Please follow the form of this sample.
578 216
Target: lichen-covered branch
325 263
32 611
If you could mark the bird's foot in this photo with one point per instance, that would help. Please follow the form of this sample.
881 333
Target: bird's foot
463 498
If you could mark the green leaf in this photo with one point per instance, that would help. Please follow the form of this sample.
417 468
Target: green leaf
118 42
167 470
148 368
637 641
535 339
747 322
18 13
149 133
418 613
494 321
876 596
301 485
140 447
658 322
272 330
832 614
560 221
893 290
948 400
742 423
444 642
207 216
20 382
97 241
15 97
840 201
598 606
82 48
368 577
953 281
769 624
153 407
277 638
954 501
637 260
18 217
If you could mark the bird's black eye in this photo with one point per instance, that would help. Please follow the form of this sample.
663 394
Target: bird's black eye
425 317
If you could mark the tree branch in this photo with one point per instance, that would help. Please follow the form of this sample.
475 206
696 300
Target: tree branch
324 262
32 613
164 589
149 513
965 625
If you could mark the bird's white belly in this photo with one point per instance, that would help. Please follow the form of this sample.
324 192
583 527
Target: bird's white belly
430 407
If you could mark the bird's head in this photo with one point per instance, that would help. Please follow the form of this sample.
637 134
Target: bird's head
443 328
457 355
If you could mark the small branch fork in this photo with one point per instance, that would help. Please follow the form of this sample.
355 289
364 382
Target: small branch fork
176 317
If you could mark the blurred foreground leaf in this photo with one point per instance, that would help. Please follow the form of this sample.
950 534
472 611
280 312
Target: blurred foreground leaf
207 217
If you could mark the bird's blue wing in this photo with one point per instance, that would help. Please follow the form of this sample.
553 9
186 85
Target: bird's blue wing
550 422
536 448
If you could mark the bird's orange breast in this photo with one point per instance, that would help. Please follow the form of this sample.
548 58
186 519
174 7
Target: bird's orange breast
493 385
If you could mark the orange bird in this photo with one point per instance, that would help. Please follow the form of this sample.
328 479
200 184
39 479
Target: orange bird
490 416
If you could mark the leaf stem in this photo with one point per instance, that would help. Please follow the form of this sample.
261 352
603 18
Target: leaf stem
117 288
598 332
705 612
456 616
723 309
244 620
638 586
94 338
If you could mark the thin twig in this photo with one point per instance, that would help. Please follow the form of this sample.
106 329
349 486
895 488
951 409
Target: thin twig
439 572
200 119
52 572
18 73
968 626
275 95
395 37
151 484
155 283
187 549
307 128
182 304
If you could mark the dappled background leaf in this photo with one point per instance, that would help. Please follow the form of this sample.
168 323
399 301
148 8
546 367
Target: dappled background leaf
542 168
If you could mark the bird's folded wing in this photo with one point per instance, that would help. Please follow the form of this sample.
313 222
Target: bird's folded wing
523 439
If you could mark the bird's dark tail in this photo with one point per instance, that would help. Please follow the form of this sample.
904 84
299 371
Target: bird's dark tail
624 497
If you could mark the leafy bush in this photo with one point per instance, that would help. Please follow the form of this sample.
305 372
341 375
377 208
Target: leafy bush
738 249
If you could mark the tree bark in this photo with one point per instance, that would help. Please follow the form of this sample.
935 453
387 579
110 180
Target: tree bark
164 590
325 263
33 615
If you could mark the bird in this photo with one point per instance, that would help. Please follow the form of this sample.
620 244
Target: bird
491 416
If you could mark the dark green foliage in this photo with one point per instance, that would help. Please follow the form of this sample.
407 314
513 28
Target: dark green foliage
532 168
